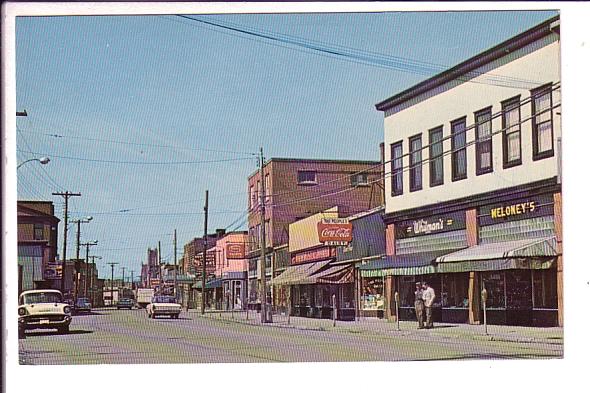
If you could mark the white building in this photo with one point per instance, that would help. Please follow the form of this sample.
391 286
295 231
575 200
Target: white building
473 194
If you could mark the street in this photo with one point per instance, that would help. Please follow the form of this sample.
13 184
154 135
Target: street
128 336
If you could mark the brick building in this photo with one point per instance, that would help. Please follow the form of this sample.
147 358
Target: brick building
298 188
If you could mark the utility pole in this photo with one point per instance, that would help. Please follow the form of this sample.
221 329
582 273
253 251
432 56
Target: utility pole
66 195
265 318
123 279
112 264
87 244
175 267
204 269
92 289
132 279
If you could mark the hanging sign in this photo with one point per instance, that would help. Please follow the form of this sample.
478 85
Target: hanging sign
335 231
235 250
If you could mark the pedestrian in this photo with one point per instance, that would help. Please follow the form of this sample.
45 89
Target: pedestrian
428 296
419 305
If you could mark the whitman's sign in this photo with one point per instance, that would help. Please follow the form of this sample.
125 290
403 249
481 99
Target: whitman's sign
429 225
335 231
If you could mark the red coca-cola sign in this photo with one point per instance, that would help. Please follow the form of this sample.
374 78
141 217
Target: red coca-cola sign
337 230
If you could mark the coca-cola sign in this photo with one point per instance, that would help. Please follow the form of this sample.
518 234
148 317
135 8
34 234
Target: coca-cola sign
335 231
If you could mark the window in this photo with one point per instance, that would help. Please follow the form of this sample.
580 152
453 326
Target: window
372 294
266 188
397 183
416 163
252 201
359 179
511 149
306 177
542 123
38 232
483 146
436 156
454 290
545 288
494 284
258 192
459 155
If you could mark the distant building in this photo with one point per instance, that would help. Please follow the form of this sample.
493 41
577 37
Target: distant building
37 246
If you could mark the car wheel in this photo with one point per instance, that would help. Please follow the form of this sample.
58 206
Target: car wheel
21 333
63 329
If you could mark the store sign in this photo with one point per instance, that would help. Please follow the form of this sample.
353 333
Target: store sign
516 210
235 250
210 264
52 270
313 255
335 231
429 225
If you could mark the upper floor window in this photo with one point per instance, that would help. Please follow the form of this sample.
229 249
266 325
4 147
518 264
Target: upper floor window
416 163
483 146
252 200
267 187
38 232
306 177
359 179
542 123
511 148
459 150
397 184
436 156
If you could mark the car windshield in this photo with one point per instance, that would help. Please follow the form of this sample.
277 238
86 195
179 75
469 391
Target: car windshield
163 299
42 297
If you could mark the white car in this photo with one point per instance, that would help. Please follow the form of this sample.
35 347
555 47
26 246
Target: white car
163 305
43 309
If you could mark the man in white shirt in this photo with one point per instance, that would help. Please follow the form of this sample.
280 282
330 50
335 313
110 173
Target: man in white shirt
428 296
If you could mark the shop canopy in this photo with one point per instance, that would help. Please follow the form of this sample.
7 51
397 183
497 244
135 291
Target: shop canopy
402 265
535 254
215 283
334 274
294 275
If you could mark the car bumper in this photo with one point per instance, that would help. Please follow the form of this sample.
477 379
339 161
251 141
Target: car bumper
166 312
44 322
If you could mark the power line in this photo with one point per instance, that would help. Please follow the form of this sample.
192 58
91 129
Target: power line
140 162
369 58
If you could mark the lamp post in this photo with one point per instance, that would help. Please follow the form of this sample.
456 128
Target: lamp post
42 160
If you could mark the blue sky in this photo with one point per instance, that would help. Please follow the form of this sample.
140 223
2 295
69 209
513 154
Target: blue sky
171 90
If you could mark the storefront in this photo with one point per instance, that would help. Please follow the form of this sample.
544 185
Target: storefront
253 284
513 254
235 287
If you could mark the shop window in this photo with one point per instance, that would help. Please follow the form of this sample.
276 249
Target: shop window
483 136
545 289
347 296
518 290
542 123
397 170
253 291
436 156
323 296
359 179
407 286
494 284
454 290
416 163
511 148
295 295
459 150
372 294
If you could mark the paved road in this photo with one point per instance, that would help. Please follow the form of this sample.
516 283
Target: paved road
128 336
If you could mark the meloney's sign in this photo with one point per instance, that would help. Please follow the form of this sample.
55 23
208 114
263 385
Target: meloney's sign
335 231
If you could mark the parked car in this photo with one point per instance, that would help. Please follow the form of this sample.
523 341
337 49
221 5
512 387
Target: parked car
43 309
125 303
82 305
163 305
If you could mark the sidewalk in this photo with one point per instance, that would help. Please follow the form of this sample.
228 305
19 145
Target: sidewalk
518 334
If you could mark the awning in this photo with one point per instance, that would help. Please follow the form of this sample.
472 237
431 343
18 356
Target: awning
402 265
338 274
297 274
214 283
534 254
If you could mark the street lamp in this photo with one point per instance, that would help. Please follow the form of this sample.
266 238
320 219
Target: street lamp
42 160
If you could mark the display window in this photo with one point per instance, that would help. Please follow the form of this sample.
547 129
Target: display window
372 293
544 288
494 284
323 296
454 290
347 296
253 291
407 286
518 290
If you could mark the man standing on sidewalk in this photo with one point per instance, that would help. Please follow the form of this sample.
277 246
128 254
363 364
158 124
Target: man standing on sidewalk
428 296
419 305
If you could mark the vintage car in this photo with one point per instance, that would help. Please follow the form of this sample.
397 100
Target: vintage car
163 305
125 303
82 305
43 309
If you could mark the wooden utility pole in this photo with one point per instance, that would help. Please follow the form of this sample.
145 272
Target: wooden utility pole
204 268
66 195
112 279
87 244
265 318
175 268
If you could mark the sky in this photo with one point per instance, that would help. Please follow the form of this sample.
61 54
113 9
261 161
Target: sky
142 114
